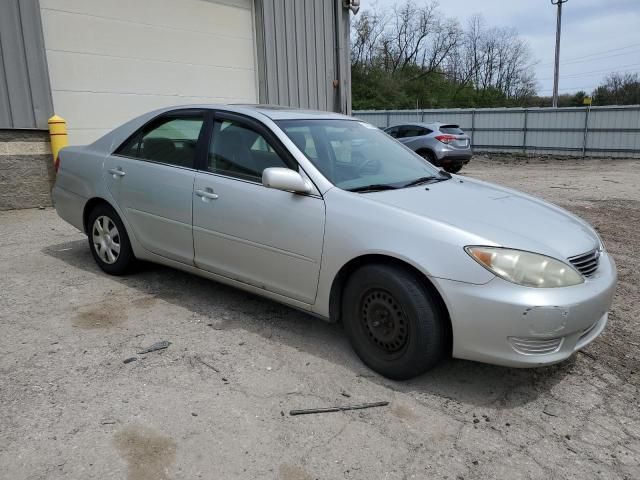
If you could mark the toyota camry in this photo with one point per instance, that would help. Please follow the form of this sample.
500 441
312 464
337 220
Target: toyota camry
330 215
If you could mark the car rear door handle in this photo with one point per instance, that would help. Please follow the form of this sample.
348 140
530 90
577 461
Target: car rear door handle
207 194
116 172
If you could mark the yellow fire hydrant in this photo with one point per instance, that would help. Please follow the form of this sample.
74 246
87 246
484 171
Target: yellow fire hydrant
58 134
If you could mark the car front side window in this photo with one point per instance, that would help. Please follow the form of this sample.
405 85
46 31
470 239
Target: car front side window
236 150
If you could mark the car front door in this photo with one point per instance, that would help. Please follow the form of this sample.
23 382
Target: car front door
264 237
151 180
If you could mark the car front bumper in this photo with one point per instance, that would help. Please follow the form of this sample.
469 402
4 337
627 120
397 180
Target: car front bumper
507 324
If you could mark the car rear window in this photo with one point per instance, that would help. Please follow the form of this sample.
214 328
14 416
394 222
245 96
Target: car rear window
451 129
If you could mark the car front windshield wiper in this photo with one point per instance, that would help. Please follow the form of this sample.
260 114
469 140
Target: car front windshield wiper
376 187
423 180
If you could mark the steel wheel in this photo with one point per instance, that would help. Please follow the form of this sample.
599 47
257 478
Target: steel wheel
384 321
393 321
106 239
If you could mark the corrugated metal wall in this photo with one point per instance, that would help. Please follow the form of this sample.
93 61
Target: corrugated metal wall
302 49
25 96
599 131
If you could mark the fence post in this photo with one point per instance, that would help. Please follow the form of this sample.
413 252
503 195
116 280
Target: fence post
388 125
473 126
524 134
422 117
586 130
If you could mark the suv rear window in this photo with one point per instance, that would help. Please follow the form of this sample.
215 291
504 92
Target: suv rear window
451 129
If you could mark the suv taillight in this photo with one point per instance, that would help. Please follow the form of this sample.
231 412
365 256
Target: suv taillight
446 138
56 164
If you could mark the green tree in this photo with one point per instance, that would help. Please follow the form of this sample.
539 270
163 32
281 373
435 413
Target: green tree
618 89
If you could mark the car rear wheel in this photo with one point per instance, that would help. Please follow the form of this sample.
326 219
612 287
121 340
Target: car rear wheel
108 241
453 168
393 322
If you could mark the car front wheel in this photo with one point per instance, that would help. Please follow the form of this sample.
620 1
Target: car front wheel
393 322
108 241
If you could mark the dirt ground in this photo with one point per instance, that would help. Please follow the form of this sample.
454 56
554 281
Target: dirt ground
215 403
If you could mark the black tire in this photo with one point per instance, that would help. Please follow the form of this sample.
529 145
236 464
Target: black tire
123 262
453 168
410 336
428 156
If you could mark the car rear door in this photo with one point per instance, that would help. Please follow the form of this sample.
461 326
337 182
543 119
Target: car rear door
151 180
242 230
412 135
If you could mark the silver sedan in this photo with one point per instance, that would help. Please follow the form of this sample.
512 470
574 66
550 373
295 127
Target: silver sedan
329 215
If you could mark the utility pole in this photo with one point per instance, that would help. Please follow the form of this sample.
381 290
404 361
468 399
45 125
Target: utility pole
556 72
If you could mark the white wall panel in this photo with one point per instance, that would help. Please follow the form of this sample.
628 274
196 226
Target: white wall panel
112 60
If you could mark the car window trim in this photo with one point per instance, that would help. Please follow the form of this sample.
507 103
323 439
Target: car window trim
180 113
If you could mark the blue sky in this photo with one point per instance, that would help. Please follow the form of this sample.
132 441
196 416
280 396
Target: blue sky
597 36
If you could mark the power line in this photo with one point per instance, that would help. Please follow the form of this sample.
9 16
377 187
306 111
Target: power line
594 72
596 54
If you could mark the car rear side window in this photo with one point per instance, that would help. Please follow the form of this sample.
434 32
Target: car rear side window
451 129
171 140
239 151
412 131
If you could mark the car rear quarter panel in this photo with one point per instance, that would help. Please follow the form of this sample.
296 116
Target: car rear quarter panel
77 181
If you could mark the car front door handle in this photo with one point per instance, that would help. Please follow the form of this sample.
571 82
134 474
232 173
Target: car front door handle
206 194
116 172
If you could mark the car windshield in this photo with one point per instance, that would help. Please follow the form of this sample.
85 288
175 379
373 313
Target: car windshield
357 156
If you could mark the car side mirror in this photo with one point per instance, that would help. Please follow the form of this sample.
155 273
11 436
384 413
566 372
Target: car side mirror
285 179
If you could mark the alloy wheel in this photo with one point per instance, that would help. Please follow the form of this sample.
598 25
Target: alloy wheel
106 239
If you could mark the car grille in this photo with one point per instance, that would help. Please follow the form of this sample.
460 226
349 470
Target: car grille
587 263
535 346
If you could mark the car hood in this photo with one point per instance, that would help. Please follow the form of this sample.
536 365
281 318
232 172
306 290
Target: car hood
501 216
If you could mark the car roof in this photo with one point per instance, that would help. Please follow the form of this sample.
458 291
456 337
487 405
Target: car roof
274 112
260 112
430 125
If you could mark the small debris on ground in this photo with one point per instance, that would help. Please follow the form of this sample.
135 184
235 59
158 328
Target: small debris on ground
550 410
129 360
587 354
208 365
345 393
156 346
339 408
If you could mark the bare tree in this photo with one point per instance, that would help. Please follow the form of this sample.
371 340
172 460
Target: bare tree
417 38
366 32
492 58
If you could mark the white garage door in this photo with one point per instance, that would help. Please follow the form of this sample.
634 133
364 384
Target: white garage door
112 60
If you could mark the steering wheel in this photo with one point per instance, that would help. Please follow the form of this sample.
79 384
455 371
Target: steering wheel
363 163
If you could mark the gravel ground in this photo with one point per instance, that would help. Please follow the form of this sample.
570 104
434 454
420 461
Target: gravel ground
215 403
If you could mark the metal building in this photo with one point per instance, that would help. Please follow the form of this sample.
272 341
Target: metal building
99 63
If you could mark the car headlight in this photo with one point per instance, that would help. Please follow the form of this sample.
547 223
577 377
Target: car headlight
525 268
